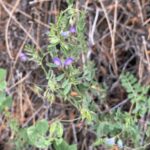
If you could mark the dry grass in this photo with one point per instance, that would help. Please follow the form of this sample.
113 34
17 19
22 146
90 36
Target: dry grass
119 35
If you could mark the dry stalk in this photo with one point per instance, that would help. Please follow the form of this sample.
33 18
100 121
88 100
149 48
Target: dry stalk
28 16
140 11
38 26
91 35
38 1
112 31
19 24
20 81
7 28
146 54
20 92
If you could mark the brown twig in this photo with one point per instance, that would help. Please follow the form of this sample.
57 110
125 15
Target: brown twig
20 25
28 16
7 28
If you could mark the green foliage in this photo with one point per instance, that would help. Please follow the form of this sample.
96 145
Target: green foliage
74 83
34 55
64 146
70 2
56 130
123 127
21 139
118 125
140 104
74 45
86 114
5 101
79 78
136 93
63 80
2 79
39 135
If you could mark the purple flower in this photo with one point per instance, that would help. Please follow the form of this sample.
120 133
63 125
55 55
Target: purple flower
23 56
68 61
72 29
57 61
65 34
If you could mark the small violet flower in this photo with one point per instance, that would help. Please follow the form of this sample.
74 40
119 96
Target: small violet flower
23 56
72 29
65 34
66 63
57 61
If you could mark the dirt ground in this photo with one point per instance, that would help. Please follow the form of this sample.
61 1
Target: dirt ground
27 22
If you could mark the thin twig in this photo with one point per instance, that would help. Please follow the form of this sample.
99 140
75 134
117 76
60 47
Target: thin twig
20 92
91 35
31 117
145 51
107 18
28 16
7 28
74 133
20 25
111 31
120 104
140 11
113 51
38 1
38 26
20 81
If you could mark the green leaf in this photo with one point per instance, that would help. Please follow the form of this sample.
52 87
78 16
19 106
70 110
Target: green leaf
2 79
86 114
2 74
65 83
55 40
56 130
60 77
14 125
4 101
67 89
98 142
65 146
2 85
64 46
52 84
42 142
58 141
69 2
39 128
37 134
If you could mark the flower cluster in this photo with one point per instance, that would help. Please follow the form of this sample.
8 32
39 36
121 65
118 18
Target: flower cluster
66 63
72 30
23 56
